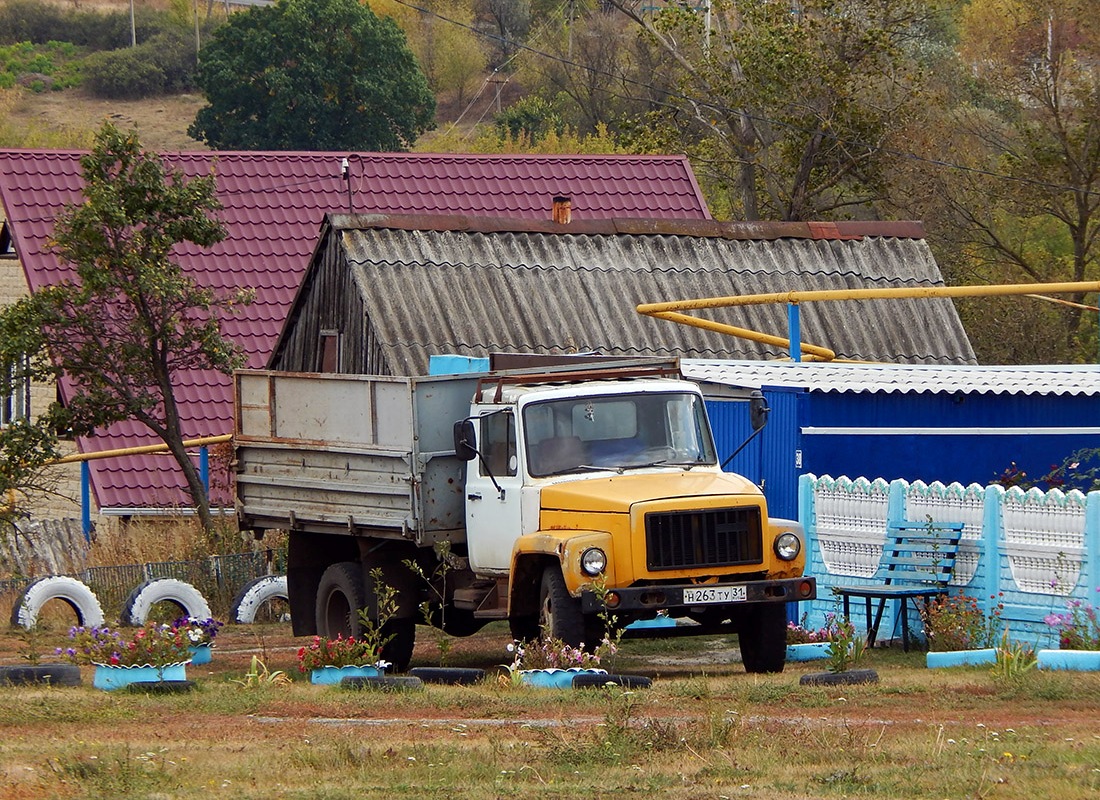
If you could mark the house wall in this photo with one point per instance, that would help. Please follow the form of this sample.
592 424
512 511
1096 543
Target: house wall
66 503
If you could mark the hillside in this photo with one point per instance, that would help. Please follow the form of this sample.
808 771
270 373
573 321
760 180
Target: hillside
161 122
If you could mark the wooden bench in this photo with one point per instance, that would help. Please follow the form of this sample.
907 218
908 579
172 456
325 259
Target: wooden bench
919 558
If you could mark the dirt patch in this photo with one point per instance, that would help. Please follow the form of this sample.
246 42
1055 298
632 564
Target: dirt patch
71 117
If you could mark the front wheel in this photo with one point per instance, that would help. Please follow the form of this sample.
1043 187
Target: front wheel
762 635
559 612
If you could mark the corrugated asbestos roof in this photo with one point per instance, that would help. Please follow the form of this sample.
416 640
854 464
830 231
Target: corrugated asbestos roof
1058 379
472 287
274 204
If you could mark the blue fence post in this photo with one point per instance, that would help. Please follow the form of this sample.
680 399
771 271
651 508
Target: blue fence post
86 500
1092 544
991 553
204 467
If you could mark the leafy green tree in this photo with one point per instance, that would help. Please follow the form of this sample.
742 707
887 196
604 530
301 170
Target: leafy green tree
127 321
311 75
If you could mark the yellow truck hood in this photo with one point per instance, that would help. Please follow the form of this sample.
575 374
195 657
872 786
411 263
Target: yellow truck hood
619 492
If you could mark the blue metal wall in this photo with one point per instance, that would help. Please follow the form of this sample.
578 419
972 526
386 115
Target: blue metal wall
971 455
788 446
771 459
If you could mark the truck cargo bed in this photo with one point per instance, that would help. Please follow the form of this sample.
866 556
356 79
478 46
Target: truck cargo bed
350 453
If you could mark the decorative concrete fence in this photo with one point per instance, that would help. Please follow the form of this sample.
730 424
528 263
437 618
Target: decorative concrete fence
1031 551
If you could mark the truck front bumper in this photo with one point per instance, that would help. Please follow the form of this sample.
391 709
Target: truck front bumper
668 597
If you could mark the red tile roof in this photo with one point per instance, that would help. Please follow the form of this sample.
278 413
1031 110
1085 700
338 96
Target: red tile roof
274 204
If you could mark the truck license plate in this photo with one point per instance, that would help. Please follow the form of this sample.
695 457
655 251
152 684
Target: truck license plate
714 594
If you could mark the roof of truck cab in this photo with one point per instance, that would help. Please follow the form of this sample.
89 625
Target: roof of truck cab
515 394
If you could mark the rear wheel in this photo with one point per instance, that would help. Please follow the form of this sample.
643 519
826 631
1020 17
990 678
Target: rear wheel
762 635
560 612
340 595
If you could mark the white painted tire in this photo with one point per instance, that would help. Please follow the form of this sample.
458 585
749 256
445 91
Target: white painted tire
190 601
254 595
76 594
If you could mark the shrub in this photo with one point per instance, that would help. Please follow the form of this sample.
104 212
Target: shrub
165 64
123 75
955 622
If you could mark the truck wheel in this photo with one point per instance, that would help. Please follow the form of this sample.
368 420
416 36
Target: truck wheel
340 595
560 612
762 635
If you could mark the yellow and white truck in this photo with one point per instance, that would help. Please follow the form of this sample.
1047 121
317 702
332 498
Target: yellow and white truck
540 496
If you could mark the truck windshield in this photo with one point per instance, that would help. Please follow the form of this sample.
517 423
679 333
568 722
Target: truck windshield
617 432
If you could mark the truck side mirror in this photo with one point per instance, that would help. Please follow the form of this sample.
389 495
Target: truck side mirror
758 410
465 447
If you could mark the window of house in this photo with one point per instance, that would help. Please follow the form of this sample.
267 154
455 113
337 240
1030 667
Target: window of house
15 404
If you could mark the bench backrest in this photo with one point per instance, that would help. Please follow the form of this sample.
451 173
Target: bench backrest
921 552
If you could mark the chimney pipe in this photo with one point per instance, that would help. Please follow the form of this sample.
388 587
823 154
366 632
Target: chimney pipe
561 211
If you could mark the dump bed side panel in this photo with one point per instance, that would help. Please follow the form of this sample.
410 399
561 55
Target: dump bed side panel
345 453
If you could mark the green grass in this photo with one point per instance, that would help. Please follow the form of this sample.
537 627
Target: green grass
59 62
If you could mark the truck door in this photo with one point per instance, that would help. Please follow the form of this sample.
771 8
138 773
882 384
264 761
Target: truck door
493 516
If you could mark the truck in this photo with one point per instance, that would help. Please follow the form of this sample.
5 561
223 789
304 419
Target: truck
556 498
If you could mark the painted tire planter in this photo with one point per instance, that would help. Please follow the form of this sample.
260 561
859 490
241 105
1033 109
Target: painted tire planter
255 595
184 596
555 678
332 676
81 599
201 654
961 658
1082 660
109 677
808 651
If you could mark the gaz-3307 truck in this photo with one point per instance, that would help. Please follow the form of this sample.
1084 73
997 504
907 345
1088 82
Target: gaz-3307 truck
553 498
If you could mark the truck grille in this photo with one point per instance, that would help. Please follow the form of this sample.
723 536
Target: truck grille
720 537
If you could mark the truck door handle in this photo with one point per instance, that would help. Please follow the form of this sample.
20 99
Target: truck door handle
473 497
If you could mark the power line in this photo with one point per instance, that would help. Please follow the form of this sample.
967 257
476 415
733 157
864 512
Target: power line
935 162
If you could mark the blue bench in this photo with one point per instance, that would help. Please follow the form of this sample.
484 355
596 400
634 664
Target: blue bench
919 558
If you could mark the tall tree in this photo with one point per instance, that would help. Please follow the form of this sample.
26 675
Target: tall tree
128 320
791 106
1041 131
311 75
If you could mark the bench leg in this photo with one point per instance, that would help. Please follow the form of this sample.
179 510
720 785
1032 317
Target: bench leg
904 625
872 630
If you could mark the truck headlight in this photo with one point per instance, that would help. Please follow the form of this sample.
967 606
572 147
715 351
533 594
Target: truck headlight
788 546
593 561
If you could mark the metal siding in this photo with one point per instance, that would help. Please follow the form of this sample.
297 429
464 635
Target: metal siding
729 421
966 458
781 441
769 458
